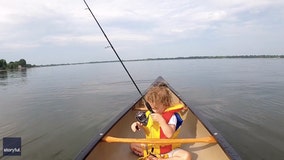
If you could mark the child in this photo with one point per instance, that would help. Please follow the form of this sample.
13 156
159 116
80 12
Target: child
163 123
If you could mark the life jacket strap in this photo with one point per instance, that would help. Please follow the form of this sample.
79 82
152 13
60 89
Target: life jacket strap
153 155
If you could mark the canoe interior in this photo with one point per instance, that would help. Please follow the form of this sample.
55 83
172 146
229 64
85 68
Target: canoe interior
191 128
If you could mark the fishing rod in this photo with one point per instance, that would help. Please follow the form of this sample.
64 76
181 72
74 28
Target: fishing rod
147 104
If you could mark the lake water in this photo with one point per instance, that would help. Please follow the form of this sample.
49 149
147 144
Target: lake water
57 110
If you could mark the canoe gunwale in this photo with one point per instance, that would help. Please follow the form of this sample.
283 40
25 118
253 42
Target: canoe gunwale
227 148
94 141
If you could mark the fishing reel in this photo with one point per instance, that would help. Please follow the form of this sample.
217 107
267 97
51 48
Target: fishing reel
142 118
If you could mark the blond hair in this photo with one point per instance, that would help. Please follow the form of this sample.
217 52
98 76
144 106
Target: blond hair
159 95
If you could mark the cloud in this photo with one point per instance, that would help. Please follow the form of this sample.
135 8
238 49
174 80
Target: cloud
38 24
7 47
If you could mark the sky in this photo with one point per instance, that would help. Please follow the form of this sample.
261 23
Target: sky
63 31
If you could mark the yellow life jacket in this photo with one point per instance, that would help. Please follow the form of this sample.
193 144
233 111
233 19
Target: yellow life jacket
153 130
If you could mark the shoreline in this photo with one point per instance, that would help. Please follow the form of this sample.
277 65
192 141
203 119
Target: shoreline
171 58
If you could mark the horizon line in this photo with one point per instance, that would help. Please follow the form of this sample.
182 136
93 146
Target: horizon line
167 58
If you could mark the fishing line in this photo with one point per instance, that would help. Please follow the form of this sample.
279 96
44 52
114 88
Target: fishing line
147 104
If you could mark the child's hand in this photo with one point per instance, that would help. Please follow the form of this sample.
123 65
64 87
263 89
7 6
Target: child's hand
136 126
158 118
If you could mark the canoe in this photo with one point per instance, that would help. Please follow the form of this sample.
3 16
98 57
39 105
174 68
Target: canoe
197 135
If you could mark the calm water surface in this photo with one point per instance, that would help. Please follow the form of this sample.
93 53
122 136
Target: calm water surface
56 110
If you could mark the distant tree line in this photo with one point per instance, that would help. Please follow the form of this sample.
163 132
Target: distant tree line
14 65
208 57
22 63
